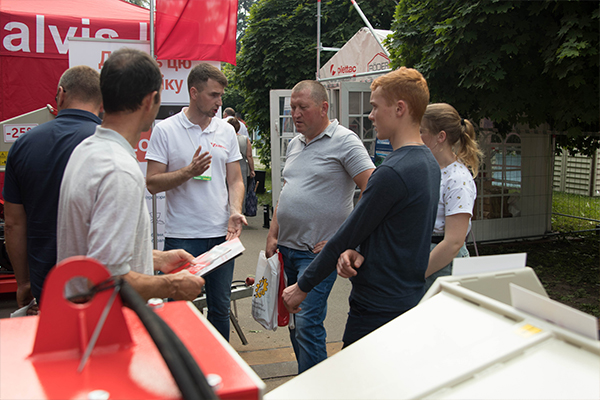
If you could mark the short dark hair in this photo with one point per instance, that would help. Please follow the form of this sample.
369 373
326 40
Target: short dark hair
229 111
235 123
82 83
201 73
318 93
128 76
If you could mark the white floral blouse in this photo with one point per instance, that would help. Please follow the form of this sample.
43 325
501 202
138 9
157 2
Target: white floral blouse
457 194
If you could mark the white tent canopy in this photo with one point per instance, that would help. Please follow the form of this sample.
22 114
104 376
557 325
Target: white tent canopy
362 53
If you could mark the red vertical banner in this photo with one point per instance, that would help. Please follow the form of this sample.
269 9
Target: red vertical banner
196 30
142 146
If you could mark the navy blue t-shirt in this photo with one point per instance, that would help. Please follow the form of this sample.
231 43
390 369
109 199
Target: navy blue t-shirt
34 170
392 223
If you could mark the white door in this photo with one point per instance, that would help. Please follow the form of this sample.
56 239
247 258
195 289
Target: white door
354 112
282 131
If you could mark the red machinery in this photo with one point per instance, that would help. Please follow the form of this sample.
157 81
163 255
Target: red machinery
41 354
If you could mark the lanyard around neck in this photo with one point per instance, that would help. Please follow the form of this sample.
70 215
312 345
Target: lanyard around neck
194 145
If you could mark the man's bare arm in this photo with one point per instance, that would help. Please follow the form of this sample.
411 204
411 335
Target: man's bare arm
179 286
362 179
15 225
272 236
159 180
235 187
250 159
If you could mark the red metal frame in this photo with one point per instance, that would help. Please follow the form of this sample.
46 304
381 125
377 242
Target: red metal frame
40 354
8 283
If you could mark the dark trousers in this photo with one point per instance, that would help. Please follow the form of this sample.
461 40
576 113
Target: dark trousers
362 321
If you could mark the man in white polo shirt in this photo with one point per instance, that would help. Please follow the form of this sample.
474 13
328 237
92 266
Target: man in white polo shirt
193 157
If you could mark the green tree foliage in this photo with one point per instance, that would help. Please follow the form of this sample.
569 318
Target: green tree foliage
279 49
232 97
529 62
242 22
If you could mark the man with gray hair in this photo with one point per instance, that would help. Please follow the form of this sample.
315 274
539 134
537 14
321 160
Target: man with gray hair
228 113
323 166
34 171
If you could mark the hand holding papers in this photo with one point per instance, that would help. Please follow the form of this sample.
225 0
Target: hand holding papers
214 258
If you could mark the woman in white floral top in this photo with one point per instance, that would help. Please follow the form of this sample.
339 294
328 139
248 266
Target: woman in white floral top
451 139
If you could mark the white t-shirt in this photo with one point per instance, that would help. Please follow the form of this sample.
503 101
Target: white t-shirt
102 211
197 209
457 194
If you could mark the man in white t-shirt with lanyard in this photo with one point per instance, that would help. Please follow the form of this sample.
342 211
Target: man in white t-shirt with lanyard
193 157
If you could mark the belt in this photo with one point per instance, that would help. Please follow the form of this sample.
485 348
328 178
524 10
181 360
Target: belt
437 239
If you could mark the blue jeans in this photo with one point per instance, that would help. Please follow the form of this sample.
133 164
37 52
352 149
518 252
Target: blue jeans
309 336
447 270
218 282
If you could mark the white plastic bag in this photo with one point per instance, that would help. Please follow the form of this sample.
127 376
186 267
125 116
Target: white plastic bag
22 312
266 289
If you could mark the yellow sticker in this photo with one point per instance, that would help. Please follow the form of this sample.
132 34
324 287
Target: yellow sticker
3 157
528 330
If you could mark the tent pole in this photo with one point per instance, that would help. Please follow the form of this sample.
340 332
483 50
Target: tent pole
152 28
318 38
154 205
364 18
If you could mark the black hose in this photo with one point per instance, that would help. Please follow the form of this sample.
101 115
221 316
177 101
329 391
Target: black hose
186 372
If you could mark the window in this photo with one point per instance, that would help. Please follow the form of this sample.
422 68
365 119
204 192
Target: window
358 117
499 181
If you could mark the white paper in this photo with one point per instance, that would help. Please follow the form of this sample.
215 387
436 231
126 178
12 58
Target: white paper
553 311
485 264
216 257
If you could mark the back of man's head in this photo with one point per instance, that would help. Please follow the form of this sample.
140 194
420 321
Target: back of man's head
229 112
201 73
81 84
318 93
405 84
128 76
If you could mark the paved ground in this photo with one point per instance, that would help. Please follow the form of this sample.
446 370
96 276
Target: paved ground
268 353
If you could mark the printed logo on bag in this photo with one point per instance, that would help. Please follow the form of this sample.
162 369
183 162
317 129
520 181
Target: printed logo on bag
261 287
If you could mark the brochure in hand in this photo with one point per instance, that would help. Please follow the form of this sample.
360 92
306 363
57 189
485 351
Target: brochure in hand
214 258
